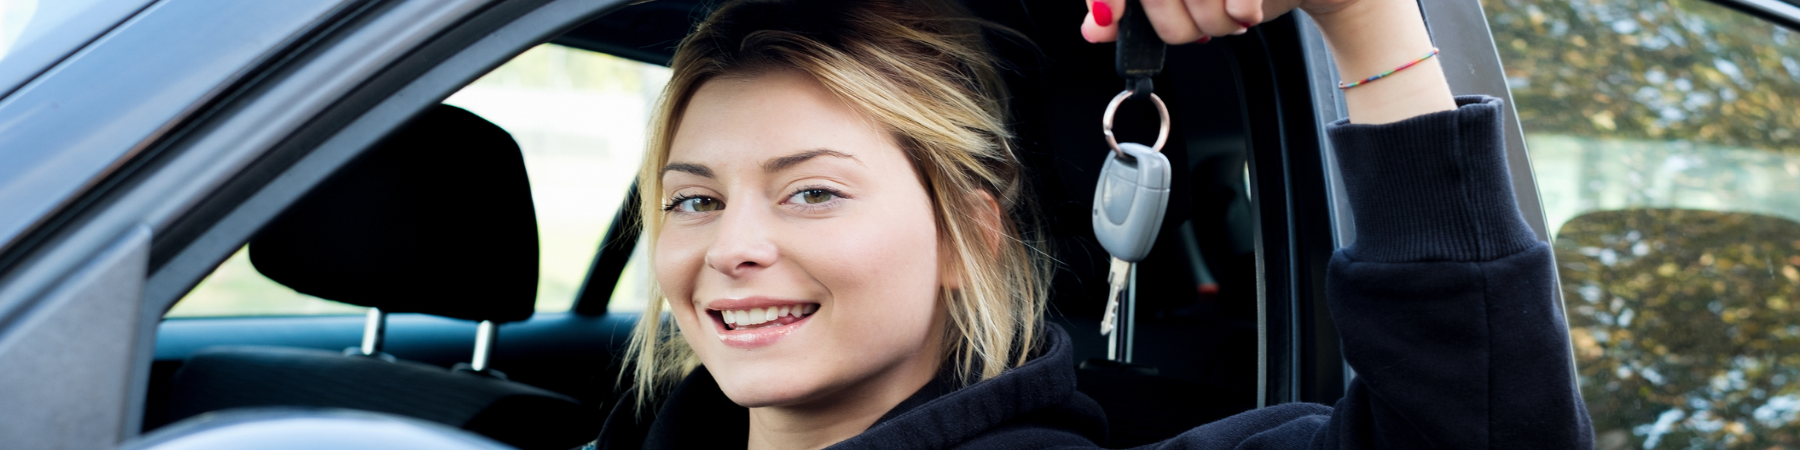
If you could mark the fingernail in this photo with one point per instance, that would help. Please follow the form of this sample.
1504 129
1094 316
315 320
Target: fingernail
1102 14
1247 24
1203 40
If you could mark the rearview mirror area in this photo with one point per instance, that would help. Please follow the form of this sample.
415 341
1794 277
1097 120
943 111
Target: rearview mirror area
1684 324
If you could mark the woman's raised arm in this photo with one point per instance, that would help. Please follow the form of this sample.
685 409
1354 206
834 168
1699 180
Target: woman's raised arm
1445 302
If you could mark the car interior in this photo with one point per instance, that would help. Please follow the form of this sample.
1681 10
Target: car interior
433 228
375 235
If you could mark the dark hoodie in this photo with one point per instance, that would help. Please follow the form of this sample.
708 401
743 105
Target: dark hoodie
1444 305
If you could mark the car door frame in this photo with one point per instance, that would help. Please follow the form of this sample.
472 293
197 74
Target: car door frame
205 180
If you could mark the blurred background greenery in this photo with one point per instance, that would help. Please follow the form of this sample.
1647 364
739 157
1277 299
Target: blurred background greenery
579 118
1663 138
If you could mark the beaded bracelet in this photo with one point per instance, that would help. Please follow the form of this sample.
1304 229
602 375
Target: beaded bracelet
1347 85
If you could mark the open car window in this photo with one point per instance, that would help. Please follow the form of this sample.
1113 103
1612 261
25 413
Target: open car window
578 117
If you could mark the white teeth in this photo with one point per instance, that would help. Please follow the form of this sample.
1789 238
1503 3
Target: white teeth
756 316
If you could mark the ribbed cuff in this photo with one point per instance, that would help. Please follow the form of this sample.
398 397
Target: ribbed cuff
1432 188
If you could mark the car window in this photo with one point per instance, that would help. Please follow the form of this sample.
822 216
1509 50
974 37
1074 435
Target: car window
578 116
1665 140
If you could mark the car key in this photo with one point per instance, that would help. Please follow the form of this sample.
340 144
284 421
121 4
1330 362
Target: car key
1116 279
1129 202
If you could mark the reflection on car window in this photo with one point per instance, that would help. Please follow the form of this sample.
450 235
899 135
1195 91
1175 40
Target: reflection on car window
1666 145
578 116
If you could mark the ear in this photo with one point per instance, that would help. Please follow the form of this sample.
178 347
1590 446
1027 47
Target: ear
991 221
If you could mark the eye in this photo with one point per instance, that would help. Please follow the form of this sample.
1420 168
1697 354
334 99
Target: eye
694 204
813 196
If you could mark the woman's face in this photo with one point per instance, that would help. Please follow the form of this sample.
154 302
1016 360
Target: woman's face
799 253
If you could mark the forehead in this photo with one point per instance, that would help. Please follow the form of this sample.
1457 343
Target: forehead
742 121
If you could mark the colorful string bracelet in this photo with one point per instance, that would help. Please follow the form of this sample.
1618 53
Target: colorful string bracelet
1347 85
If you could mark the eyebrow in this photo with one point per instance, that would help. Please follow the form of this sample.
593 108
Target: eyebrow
695 169
773 165
782 163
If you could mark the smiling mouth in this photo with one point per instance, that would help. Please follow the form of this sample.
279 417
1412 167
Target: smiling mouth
755 318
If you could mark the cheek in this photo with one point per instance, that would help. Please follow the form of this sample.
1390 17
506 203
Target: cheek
676 263
883 266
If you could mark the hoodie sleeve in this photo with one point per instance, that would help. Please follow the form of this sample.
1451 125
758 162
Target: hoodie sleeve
1444 302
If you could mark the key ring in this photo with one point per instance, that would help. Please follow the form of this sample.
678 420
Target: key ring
1162 133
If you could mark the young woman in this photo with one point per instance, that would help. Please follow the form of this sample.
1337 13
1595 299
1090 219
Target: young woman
841 239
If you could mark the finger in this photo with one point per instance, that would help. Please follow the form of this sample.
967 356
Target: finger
1105 27
1172 21
1247 12
1210 16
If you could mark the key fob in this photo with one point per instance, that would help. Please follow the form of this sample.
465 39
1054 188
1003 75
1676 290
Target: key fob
1130 201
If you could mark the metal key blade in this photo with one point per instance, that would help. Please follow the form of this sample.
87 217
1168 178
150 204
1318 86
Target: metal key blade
1117 277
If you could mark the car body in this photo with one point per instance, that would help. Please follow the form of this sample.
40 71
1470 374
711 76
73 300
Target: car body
153 141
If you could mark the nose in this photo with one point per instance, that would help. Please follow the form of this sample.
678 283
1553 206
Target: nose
743 245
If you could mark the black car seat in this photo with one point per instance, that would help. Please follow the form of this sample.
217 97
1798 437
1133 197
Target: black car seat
438 219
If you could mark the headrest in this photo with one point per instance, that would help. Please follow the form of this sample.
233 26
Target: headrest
437 219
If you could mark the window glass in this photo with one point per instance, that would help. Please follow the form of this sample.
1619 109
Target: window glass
578 116
1663 136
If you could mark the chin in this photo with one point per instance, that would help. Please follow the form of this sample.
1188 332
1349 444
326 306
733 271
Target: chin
759 392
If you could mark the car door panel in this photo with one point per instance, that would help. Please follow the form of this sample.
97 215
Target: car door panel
72 379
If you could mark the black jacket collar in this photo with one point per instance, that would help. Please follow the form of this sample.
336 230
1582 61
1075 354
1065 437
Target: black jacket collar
1039 394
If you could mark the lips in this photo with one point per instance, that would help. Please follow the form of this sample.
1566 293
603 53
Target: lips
757 321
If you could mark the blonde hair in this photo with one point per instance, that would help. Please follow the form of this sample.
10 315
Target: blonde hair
923 71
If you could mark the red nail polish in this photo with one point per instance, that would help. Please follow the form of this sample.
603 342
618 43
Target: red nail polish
1203 40
1247 24
1102 14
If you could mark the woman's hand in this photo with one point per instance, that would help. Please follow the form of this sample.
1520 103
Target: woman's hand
1366 38
1185 21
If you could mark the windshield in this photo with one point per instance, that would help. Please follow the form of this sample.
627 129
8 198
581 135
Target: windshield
36 34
